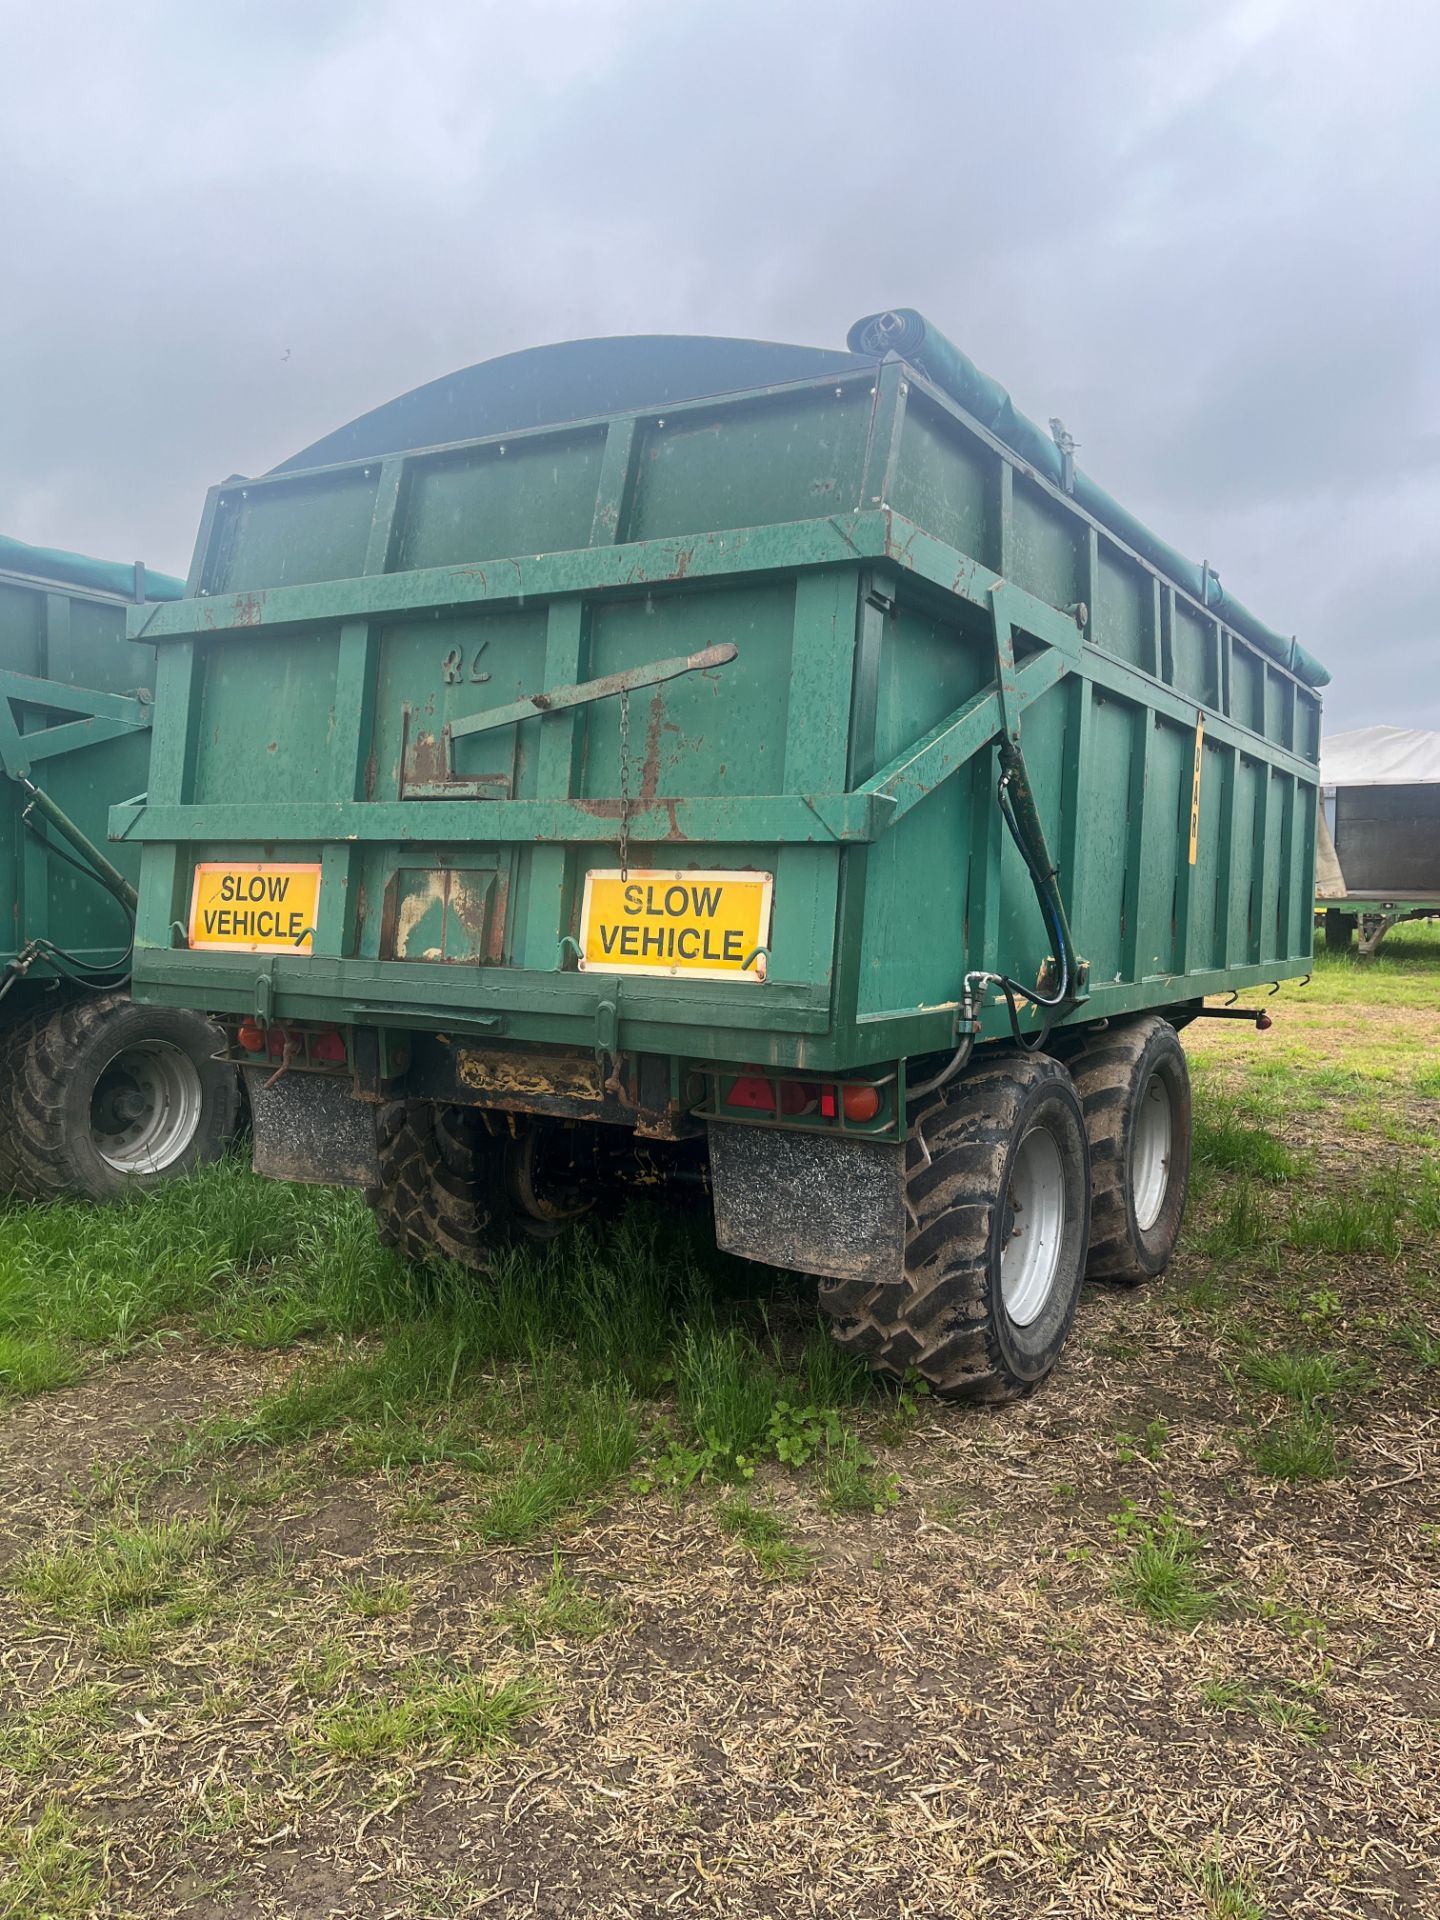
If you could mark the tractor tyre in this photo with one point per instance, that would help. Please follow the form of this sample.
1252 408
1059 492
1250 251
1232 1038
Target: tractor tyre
102 1097
997 1189
458 1184
1134 1086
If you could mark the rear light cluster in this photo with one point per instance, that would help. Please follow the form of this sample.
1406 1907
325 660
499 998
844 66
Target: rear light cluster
802 1099
324 1045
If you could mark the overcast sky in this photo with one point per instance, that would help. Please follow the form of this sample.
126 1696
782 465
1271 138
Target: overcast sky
1205 235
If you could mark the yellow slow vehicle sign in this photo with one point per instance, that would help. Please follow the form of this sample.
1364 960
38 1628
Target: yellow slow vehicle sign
265 906
699 925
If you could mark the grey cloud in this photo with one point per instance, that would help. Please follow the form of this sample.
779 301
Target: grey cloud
1202 234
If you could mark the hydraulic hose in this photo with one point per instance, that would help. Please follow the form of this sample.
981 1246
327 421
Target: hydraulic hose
1017 808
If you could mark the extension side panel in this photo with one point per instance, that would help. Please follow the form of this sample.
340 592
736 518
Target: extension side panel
75 639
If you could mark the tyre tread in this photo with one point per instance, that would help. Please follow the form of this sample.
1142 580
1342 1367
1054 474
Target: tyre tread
934 1318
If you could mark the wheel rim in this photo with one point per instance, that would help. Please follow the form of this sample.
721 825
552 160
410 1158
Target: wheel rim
546 1203
145 1108
1150 1152
1034 1226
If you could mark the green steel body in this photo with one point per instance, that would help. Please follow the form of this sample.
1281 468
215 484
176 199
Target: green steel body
350 679
74 739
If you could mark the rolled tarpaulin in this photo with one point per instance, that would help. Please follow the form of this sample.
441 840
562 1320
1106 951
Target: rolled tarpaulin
907 333
79 570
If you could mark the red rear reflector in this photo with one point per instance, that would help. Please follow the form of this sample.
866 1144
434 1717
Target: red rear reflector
861 1103
750 1090
327 1046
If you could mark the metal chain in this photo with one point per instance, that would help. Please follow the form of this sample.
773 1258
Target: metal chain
624 783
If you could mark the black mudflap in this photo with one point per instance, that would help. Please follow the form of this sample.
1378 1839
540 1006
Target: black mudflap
307 1127
819 1203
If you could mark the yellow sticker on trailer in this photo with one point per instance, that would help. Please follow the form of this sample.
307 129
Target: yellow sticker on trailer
1195 785
677 924
263 906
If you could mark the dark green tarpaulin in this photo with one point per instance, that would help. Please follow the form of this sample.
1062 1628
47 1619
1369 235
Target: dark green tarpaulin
909 334
79 570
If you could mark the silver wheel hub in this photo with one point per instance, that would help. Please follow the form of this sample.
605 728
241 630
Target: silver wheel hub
1150 1151
1035 1214
146 1106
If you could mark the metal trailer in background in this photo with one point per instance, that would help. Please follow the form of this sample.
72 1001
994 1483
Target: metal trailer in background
97 1095
1378 860
772 769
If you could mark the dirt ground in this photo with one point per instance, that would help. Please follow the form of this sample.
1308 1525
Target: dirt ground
1101 1653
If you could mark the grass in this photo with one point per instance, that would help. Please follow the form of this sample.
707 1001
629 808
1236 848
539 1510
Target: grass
852 1482
1162 1571
250 1262
555 1474
49 1868
1308 1379
1300 1443
378 1599
1298 1446
1224 1143
35 1363
1348 1223
765 1537
1420 1341
1242 1228
559 1610
62 1730
543 1382
1290 1711
124 1568
1225 1894
430 1711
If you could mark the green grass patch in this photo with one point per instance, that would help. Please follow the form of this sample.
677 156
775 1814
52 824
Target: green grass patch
562 1471
1224 1143
851 1480
1240 1229
250 1260
1348 1223
59 1733
1307 1379
1298 1446
543 1382
50 1869
1422 1343
34 1363
123 1569
1225 1893
1291 1711
378 1599
1162 1574
431 1711
765 1538
559 1610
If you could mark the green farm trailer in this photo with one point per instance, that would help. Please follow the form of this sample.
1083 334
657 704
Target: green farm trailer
97 1094
774 769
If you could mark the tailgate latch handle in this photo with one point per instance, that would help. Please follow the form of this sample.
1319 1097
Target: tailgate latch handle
556 699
